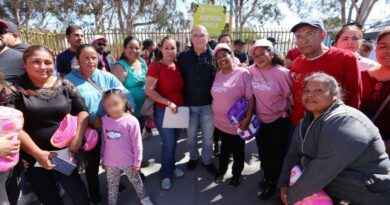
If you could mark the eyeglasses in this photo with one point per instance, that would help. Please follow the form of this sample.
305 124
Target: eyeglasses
307 36
101 44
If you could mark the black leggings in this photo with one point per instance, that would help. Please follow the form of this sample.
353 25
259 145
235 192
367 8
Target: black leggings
92 173
43 182
271 142
231 144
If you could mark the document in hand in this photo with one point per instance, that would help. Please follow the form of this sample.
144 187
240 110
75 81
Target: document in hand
181 119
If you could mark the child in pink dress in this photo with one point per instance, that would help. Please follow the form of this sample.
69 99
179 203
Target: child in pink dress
121 149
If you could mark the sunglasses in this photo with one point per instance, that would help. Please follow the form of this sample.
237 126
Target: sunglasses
101 44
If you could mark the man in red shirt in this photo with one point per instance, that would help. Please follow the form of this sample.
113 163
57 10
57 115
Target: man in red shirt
316 57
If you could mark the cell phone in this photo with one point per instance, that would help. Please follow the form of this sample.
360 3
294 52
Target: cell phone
63 166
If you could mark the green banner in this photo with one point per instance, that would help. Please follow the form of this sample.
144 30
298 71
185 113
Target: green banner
213 17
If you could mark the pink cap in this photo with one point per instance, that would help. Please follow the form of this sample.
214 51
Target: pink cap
98 37
221 46
3 24
260 43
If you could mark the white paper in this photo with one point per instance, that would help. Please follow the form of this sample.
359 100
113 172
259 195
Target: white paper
181 119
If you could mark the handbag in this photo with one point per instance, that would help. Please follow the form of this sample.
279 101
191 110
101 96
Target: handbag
147 108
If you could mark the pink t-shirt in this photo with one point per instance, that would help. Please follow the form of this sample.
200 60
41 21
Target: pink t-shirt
272 90
121 141
226 90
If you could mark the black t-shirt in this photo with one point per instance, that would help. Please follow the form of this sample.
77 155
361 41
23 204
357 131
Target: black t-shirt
44 110
66 62
11 64
242 57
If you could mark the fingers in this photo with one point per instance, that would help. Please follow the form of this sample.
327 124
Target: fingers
8 158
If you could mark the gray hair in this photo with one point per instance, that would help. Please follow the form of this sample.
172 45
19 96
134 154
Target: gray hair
335 88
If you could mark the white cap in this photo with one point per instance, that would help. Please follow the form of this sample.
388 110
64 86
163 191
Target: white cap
221 46
260 43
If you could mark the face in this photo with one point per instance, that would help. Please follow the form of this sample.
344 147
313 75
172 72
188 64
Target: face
152 47
199 38
350 40
308 39
317 96
76 38
169 50
39 66
263 57
364 51
99 45
238 48
383 51
114 105
9 39
88 59
224 60
133 50
227 40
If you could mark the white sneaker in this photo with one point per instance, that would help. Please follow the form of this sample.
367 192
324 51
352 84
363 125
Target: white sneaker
178 173
27 199
146 201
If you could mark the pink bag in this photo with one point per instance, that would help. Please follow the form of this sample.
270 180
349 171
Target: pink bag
11 122
319 198
67 130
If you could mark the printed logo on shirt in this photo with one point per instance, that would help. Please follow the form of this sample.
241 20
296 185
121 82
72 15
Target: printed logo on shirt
113 135
219 88
261 84
296 77
74 64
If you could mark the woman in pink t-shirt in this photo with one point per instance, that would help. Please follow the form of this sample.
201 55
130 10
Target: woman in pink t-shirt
231 84
271 86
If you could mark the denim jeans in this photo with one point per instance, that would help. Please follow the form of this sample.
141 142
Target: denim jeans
169 138
201 117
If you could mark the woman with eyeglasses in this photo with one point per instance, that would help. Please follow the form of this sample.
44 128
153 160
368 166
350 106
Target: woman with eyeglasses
271 85
376 88
91 83
350 38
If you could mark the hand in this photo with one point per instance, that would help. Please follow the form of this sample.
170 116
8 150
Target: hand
97 122
135 169
283 195
173 107
102 165
75 145
43 158
244 124
8 147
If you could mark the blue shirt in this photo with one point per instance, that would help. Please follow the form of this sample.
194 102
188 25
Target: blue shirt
92 96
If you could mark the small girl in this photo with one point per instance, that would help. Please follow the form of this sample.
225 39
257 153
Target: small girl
121 148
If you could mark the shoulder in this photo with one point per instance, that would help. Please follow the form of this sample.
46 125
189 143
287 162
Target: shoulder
252 68
342 54
63 54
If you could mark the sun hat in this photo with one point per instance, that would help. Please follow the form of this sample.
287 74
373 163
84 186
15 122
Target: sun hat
11 122
260 43
98 37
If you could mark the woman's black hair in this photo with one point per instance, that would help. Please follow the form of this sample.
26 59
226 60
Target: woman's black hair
159 53
146 43
119 93
125 42
81 48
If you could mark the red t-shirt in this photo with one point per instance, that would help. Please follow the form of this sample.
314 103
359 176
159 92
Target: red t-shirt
374 93
292 54
169 82
338 63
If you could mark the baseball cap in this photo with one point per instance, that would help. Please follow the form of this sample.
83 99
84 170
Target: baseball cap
260 43
11 27
98 37
221 46
312 22
238 41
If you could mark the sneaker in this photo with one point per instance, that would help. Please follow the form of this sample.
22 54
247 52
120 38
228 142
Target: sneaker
28 199
166 183
146 135
235 181
191 165
218 179
268 191
146 201
211 169
178 173
144 164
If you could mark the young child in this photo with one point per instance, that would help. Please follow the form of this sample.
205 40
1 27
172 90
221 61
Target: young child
121 149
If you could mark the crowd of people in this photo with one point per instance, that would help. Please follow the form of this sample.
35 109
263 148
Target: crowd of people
325 109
